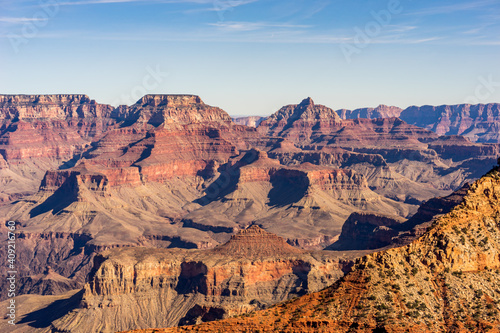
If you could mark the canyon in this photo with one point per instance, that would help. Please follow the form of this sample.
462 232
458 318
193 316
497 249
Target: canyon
99 194
444 281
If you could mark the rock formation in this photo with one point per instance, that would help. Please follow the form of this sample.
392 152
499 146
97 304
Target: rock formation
406 163
313 200
139 287
479 123
445 281
171 171
41 132
381 111
368 230
302 121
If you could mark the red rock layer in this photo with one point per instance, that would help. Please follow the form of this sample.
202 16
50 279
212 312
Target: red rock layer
300 121
51 126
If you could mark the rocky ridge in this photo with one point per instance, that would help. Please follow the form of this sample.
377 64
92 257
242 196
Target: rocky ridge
381 111
369 230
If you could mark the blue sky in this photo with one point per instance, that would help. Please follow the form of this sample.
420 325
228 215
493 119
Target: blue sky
254 56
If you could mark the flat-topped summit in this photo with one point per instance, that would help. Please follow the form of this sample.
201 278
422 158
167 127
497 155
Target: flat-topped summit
45 99
170 100
381 111
255 241
177 109
60 106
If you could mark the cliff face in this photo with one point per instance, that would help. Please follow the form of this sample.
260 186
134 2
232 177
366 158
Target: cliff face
167 136
131 288
135 178
40 132
307 124
179 109
381 111
369 230
52 107
400 161
445 281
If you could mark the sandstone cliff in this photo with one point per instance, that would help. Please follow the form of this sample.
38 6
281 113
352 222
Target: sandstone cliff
313 200
401 161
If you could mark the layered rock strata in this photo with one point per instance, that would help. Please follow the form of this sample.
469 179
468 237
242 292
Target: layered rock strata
133 288
445 281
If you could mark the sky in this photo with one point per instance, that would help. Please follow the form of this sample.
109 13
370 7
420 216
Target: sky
251 57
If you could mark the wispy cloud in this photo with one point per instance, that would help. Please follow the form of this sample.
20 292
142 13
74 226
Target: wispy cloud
253 26
217 4
93 2
472 31
400 28
20 20
455 7
316 8
422 40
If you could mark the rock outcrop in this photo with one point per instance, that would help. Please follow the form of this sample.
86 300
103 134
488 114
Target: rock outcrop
368 230
401 161
301 121
313 200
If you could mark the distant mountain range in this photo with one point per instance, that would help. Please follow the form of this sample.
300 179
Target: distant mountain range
478 123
